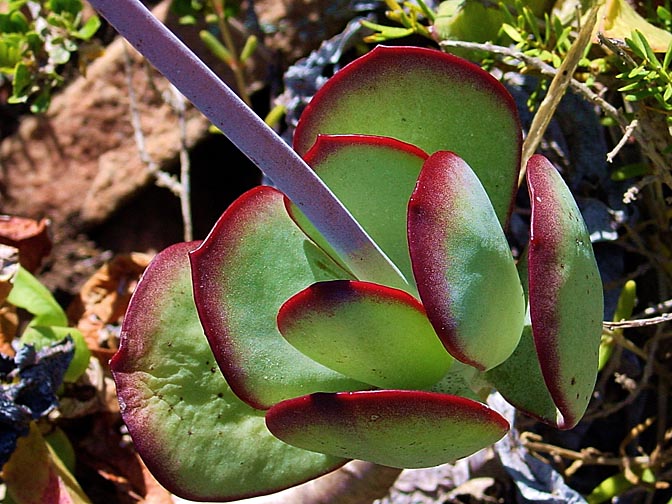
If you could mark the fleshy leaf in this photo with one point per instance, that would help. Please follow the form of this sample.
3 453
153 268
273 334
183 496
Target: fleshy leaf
519 377
566 303
429 99
369 332
198 439
396 428
374 178
463 266
253 260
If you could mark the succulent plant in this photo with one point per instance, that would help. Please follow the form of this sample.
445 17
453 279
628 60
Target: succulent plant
325 357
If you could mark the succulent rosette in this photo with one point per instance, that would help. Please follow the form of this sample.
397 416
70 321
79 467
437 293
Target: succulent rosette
257 359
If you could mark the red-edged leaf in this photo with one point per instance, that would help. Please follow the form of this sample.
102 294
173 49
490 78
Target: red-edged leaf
253 260
429 99
396 428
566 303
197 438
463 266
369 332
373 177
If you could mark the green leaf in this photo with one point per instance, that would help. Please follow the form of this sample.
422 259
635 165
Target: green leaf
353 164
463 265
28 293
72 7
89 29
369 332
512 32
384 33
566 302
21 83
216 47
253 260
204 443
429 99
395 428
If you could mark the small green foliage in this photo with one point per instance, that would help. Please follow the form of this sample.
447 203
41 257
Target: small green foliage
49 323
413 17
36 39
650 79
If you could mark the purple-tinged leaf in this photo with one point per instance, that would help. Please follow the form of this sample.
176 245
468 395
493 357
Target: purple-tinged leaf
374 178
462 263
429 99
375 334
566 302
198 439
253 260
396 428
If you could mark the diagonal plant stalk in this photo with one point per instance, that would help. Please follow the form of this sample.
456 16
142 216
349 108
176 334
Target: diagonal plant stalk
251 135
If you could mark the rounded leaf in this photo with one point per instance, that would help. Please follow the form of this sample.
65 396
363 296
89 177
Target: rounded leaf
197 438
253 260
427 98
369 332
463 266
396 428
566 302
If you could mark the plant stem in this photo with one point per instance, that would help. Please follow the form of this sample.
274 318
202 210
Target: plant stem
236 66
251 135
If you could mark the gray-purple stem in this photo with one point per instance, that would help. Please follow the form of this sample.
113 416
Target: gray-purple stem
251 135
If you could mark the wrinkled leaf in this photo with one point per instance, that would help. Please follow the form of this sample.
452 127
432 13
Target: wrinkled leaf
372 333
396 428
463 266
204 443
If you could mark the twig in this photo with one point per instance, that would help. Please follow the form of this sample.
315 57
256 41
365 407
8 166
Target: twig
629 324
546 70
178 103
644 381
624 139
588 456
163 179
556 91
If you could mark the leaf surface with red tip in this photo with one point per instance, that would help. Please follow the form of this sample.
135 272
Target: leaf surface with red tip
566 303
253 260
462 263
374 178
198 439
427 98
369 332
396 428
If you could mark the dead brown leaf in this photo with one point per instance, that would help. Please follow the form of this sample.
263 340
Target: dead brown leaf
100 306
30 236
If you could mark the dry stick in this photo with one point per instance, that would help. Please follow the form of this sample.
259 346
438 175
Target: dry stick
178 103
624 139
556 91
546 70
251 135
629 324
163 179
